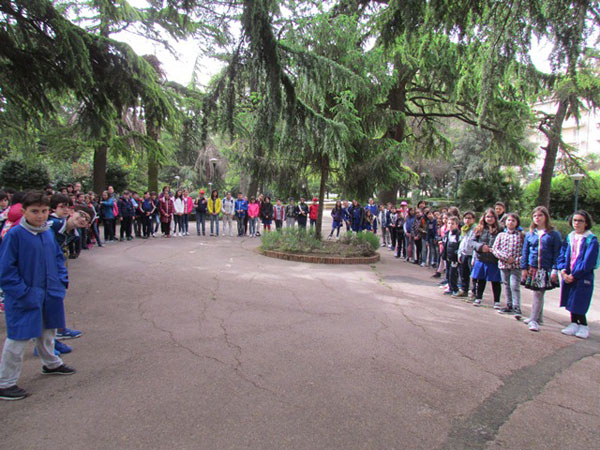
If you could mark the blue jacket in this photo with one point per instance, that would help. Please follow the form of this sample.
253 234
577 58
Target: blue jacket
551 243
126 207
34 279
241 207
107 208
431 229
577 296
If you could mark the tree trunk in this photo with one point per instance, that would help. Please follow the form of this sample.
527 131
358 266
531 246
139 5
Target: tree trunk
252 187
554 136
324 175
153 164
99 170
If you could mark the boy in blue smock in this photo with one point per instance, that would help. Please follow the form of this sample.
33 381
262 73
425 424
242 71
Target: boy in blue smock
34 279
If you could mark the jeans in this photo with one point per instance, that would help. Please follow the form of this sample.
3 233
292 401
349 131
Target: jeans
537 306
227 223
186 222
253 221
147 225
290 222
453 276
240 225
178 224
96 233
511 278
200 216
278 224
465 273
432 253
14 350
214 223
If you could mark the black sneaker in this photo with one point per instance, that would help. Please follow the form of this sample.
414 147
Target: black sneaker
436 275
60 370
506 310
13 393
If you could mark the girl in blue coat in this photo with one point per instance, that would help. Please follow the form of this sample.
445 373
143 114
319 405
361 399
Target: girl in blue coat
577 261
541 248
34 279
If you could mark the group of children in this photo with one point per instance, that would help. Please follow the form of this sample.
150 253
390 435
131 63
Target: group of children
38 228
469 255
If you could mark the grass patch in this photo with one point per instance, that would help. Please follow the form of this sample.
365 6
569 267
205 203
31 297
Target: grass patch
294 240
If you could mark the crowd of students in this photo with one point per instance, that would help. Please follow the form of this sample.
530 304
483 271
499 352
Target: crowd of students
40 229
495 250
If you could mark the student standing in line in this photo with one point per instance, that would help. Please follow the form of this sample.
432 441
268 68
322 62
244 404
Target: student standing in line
201 209
253 213
34 279
508 248
291 212
278 215
167 209
577 261
127 214
266 213
541 249
214 209
302 216
313 212
485 265
228 210
465 254
450 254
179 206
337 215
383 219
188 203
107 203
241 210
148 210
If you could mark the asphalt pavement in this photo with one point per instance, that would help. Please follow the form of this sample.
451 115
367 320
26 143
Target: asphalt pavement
203 343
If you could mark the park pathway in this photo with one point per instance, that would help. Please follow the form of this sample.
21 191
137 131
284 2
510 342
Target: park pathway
202 343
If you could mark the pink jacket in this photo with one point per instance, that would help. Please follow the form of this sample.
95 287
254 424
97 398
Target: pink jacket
253 209
188 204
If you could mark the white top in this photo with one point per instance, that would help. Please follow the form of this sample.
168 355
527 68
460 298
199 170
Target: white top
179 206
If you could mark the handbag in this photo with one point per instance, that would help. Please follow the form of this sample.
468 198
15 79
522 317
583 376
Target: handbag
539 279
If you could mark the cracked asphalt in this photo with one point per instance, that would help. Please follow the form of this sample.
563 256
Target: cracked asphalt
202 343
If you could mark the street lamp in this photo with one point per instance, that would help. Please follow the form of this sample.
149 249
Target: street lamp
213 161
457 168
577 177
177 178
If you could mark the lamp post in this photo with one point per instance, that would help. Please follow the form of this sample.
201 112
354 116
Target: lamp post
577 177
177 178
457 168
213 162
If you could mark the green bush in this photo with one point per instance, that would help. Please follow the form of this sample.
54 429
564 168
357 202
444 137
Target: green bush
293 240
479 194
361 239
23 176
562 194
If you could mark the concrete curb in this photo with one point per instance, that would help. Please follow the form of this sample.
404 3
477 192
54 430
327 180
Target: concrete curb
321 259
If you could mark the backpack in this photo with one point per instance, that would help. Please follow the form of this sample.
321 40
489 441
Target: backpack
115 210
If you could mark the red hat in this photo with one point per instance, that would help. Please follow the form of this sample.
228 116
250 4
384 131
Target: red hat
315 199
202 191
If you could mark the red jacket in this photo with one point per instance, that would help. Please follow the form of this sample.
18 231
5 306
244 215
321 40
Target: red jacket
167 208
313 211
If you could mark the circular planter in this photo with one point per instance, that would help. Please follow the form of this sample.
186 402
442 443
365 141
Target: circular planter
321 259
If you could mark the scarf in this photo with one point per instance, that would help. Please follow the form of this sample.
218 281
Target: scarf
34 230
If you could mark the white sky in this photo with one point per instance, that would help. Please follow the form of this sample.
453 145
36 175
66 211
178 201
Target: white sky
180 67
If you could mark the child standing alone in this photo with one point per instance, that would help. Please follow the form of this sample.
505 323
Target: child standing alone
34 279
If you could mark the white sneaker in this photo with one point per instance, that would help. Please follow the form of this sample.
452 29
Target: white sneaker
571 330
533 326
476 302
496 305
584 332
526 321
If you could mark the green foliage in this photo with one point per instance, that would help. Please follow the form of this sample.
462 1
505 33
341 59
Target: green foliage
293 240
562 195
117 177
20 175
364 240
481 193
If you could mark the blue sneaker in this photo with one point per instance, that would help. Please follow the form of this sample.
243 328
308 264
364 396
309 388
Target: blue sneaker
35 352
68 333
61 347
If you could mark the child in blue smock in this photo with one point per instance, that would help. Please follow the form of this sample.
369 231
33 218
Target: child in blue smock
34 279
